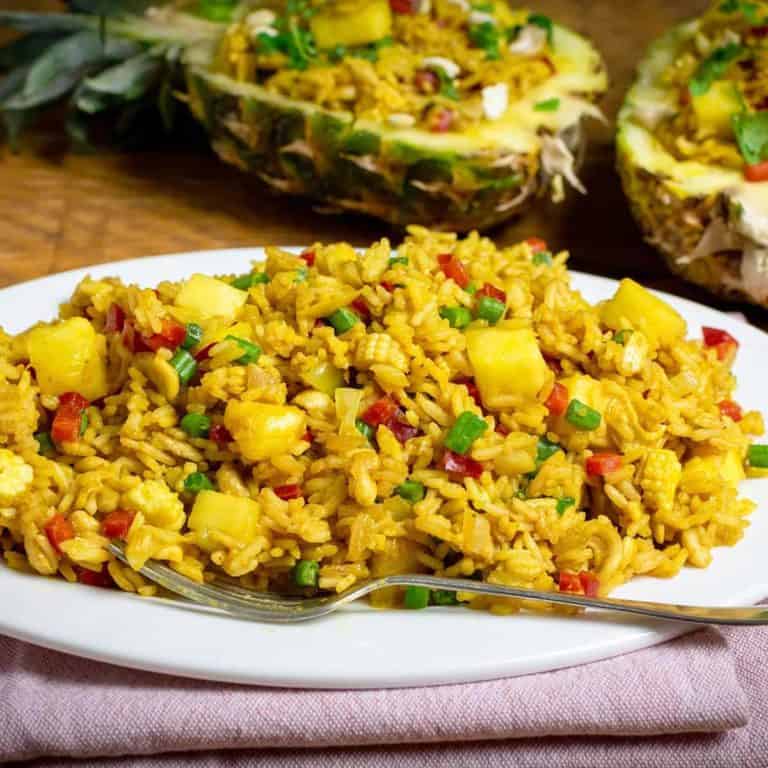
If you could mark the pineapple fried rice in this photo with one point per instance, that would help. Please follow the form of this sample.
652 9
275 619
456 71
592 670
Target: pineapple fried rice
446 407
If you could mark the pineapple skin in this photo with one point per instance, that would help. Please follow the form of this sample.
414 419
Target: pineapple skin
307 153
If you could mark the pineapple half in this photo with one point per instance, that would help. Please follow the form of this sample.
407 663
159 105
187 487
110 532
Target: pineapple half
441 113
692 149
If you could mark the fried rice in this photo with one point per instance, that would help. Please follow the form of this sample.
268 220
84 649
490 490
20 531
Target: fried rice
349 415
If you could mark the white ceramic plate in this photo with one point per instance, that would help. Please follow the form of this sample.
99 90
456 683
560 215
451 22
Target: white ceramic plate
360 647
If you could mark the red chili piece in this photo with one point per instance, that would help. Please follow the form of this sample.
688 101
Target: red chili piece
380 412
308 436
309 257
757 172
426 81
583 583
58 529
501 429
286 492
401 429
220 435
460 465
721 340
557 402
403 6
600 464
95 578
387 286
132 339
117 524
536 244
761 31
441 120
454 269
361 308
68 418
171 336
730 409
493 292
115 319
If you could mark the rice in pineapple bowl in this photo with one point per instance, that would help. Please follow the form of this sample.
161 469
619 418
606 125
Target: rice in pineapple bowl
448 407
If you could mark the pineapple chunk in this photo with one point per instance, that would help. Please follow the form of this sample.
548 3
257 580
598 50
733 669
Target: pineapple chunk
69 356
324 377
359 24
590 392
507 364
158 503
209 297
15 476
263 430
660 477
233 516
715 108
709 470
632 306
215 332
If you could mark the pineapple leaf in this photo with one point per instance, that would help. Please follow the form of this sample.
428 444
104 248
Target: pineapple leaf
25 49
12 82
130 79
45 22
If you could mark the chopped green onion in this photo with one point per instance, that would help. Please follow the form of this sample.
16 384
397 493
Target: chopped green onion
342 320
411 490
520 493
306 573
581 416
564 503
542 257
302 273
197 482
365 429
465 430
471 289
458 317
194 334
184 365
544 449
398 260
216 10
622 336
44 442
244 282
83 423
548 105
196 424
416 598
757 456
486 36
490 309
540 20
714 67
443 597
252 351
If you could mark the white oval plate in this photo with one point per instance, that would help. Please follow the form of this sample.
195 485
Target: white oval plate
360 647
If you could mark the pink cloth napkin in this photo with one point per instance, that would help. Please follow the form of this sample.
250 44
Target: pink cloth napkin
54 705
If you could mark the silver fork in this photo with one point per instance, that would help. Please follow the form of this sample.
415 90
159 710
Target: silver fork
226 596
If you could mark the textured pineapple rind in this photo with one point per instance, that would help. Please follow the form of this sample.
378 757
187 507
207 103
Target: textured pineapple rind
300 151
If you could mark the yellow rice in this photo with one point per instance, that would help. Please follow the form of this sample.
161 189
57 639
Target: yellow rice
503 527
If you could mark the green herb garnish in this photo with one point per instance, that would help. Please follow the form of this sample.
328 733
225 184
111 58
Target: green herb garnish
714 67
540 20
486 36
548 105
751 130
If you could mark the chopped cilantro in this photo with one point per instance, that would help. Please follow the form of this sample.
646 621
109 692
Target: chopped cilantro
751 131
548 105
447 85
714 67
539 20
486 36
745 7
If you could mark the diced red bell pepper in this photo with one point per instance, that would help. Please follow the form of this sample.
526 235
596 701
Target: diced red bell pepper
454 269
117 524
460 465
756 172
132 339
600 464
220 435
380 412
501 429
570 582
557 402
759 31
441 120
286 492
426 81
68 419
730 409
721 340
361 308
95 578
472 388
401 429
493 292
387 286
58 529
536 244
403 6
590 583
115 319
204 353
308 436
309 257
171 336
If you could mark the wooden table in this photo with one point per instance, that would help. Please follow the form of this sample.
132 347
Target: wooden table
59 211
